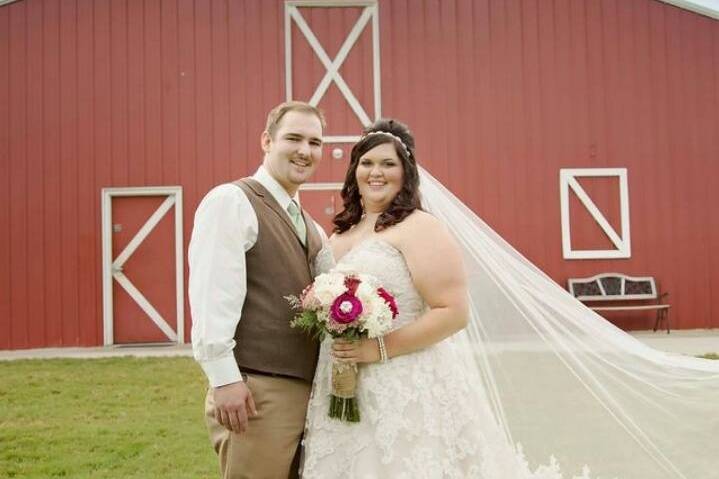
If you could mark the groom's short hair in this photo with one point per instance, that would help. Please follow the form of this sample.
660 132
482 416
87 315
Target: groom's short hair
276 114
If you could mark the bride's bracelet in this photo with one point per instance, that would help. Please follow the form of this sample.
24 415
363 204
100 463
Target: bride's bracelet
382 349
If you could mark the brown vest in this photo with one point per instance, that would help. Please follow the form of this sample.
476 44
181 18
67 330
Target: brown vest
278 265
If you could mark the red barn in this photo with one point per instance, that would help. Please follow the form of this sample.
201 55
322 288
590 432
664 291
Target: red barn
116 116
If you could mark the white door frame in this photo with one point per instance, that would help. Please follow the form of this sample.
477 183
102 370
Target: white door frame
113 268
370 12
317 187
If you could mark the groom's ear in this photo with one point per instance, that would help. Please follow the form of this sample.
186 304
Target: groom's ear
265 141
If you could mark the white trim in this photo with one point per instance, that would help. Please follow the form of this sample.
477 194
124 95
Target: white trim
332 74
107 303
341 139
113 269
179 268
567 181
288 53
321 186
7 2
143 191
375 64
331 3
712 12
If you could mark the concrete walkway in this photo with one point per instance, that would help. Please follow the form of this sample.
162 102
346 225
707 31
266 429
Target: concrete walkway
693 342
145 350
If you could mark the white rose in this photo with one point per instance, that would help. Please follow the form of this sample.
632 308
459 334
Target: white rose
327 287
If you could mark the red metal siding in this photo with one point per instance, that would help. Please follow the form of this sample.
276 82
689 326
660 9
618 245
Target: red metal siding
501 94
504 94
5 214
113 93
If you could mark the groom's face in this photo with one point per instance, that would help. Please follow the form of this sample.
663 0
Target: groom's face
292 155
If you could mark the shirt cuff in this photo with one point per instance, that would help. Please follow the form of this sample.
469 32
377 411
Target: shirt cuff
221 371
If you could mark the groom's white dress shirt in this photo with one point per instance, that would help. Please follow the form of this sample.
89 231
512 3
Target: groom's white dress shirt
225 229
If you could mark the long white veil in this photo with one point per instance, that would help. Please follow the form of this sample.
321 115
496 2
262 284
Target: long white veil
563 381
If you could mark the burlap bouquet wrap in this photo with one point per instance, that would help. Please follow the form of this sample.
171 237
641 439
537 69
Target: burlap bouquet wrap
343 401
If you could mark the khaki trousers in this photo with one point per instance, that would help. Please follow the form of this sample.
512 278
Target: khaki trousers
270 446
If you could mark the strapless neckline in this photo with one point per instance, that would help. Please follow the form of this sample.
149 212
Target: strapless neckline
365 243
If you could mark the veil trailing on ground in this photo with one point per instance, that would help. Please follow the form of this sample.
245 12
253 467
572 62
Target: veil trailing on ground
563 382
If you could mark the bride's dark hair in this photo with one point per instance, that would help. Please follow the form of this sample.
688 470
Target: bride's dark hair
405 202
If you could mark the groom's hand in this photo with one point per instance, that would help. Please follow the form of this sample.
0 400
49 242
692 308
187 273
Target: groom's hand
233 405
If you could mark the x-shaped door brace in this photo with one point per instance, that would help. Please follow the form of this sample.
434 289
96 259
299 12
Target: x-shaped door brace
127 285
333 66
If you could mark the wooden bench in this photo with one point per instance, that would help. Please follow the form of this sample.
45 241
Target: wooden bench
620 287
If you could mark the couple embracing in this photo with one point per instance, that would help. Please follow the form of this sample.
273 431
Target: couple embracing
252 245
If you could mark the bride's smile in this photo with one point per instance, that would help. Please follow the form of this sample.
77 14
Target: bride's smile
379 176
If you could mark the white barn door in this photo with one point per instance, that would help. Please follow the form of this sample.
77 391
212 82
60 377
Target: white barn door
142 265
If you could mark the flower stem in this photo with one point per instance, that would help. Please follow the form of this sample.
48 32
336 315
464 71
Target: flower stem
344 409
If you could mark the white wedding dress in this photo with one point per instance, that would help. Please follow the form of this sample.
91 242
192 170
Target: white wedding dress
534 367
422 414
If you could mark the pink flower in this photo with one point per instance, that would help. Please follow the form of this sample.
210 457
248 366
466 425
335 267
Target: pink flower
389 299
308 299
346 308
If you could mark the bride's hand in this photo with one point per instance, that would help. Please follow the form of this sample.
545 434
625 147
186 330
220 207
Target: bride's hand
360 351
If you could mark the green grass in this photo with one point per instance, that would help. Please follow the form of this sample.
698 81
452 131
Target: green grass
103 418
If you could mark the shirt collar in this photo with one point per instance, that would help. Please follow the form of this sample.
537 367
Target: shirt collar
273 186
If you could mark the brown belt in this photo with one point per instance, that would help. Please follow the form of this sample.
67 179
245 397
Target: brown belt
246 371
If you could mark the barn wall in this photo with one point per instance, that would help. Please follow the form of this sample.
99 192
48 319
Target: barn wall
500 94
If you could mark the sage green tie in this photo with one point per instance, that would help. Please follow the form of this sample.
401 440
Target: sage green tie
297 221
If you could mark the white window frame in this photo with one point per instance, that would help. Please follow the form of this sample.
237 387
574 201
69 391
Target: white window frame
332 66
112 269
568 180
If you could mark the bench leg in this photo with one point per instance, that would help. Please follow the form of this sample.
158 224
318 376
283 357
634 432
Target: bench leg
662 316
658 320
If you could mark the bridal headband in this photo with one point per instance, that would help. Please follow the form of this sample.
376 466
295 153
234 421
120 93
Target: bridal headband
380 132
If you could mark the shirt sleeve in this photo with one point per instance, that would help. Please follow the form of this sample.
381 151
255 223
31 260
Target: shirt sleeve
225 229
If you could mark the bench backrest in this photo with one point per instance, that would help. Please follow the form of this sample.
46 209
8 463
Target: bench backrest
613 286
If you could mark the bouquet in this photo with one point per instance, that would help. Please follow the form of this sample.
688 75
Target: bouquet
349 306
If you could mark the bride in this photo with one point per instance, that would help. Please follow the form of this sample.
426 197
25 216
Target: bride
491 369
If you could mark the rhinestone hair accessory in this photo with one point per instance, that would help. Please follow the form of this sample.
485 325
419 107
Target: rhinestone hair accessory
380 132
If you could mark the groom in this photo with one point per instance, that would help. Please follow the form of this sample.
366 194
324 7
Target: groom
252 245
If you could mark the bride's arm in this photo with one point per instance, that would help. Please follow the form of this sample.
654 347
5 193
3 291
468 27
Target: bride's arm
435 263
